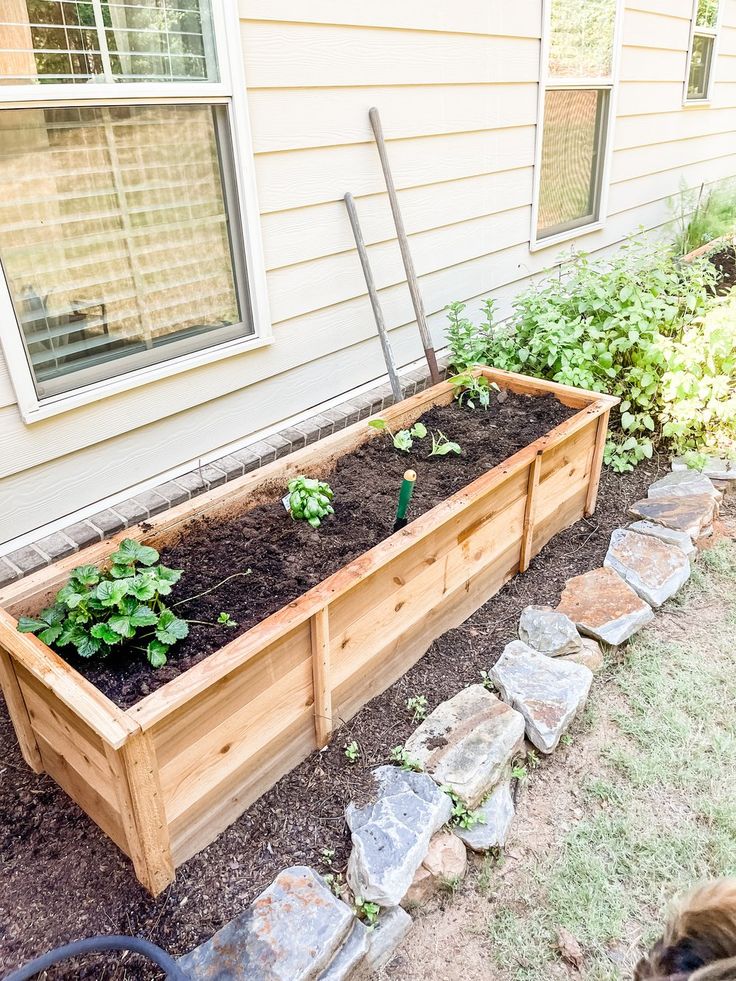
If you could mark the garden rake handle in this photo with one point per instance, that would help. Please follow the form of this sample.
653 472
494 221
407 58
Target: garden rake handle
411 276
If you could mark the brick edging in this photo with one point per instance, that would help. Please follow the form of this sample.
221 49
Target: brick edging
38 554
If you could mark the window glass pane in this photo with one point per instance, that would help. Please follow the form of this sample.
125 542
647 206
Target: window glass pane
707 13
581 38
574 124
700 65
114 237
100 40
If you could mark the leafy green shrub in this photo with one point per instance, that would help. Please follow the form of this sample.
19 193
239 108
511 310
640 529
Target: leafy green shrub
309 500
704 217
470 390
98 610
605 325
468 342
699 383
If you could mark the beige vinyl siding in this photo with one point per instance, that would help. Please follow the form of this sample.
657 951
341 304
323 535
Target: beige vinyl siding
457 89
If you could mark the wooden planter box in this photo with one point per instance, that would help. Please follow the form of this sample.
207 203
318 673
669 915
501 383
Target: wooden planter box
165 777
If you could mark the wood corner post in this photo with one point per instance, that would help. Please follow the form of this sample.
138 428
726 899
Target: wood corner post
141 805
322 676
595 472
19 713
527 535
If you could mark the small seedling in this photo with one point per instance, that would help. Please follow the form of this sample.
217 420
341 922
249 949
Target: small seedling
566 740
328 855
532 759
520 773
352 751
400 756
462 816
226 620
471 390
486 681
367 911
335 883
417 705
404 439
309 500
441 445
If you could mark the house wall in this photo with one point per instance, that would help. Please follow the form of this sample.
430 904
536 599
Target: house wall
457 88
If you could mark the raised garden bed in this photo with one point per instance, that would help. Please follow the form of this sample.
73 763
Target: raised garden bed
165 776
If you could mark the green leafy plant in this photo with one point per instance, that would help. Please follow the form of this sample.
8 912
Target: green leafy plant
226 620
607 325
703 216
472 390
468 342
487 681
462 816
328 855
310 500
352 751
417 705
368 912
400 756
441 445
97 611
519 772
404 439
335 883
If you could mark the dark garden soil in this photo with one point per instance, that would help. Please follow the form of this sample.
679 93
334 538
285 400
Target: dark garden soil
61 878
289 557
725 263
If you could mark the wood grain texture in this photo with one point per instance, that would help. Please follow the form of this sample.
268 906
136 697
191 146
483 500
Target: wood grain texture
18 712
530 509
321 676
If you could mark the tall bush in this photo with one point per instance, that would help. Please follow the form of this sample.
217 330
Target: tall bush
613 325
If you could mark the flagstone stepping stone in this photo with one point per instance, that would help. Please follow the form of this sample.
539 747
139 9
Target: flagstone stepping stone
548 692
350 956
684 483
604 606
495 817
548 631
591 655
393 925
653 569
391 835
467 742
694 515
669 535
445 863
715 468
291 932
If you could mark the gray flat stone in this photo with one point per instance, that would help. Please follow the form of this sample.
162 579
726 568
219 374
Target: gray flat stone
604 607
391 836
350 956
669 535
716 468
467 742
548 631
653 569
496 815
684 483
548 692
291 932
591 655
392 927
694 514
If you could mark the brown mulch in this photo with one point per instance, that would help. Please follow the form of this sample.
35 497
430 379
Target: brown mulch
289 557
61 878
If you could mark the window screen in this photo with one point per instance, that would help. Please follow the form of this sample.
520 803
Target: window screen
72 41
115 238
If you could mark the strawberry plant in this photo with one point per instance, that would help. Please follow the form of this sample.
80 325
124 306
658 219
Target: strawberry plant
309 500
99 610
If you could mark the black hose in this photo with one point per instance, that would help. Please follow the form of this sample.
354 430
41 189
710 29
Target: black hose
136 944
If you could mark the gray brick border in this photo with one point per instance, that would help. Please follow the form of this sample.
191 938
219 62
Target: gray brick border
145 504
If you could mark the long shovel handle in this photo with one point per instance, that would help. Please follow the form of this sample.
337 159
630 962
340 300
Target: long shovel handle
411 276
388 354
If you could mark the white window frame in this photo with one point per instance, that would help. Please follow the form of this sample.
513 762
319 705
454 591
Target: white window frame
713 32
230 91
547 84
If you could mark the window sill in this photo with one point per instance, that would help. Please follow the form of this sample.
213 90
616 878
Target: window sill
696 103
34 411
548 243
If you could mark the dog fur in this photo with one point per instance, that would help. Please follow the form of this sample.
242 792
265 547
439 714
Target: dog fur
699 941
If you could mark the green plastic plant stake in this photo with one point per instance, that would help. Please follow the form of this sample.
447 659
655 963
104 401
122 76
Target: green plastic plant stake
407 489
